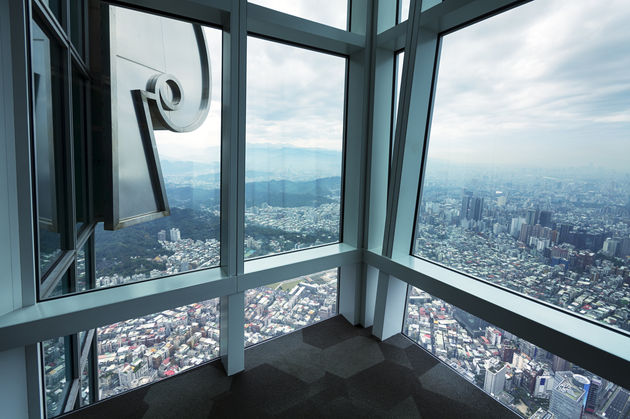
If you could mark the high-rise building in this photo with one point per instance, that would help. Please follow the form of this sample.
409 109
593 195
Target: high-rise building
495 378
610 246
560 364
568 395
161 236
477 209
532 216
472 208
175 234
543 386
593 395
526 232
515 226
545 218
564 233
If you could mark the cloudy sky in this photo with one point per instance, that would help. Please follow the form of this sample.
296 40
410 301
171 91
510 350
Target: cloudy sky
544 85
295 97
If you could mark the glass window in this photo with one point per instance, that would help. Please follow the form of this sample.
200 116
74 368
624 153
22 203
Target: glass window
57 373
63 286
79 104
281 308
189 161
83 273
399 60
77 25
56 6
329 12
527 183
147 349
48 76
519 374
295 123
403 10
84 392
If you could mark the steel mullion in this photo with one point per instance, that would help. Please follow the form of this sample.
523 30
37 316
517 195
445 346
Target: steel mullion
42 13
72 396
93 368
56 274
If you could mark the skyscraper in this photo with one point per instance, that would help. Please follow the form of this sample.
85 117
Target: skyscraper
175 235
593 394
532 217
560 364
545 218
568 395
495 378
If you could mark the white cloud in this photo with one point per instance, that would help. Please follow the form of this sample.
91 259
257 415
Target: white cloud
544 84
329 12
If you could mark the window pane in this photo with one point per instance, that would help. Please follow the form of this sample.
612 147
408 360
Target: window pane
80 148
61 287
77 14
56 6
399 60
403 10
57 378
295 120
527 182
281 308
329 12
84 395
83 273
48 110
147 349
188 238
520 375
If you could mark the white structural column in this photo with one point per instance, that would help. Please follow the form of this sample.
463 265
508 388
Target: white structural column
20 388
232 344
378 152
233 185
411 130
358 98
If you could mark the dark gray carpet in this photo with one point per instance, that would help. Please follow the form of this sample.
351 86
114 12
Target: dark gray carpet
331 370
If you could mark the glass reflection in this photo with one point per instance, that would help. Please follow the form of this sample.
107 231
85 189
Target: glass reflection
47 77
57 377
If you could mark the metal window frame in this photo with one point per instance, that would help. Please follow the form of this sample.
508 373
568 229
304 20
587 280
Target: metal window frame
601 349
372 283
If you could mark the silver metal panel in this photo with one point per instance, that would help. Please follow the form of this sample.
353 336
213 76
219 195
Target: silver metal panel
160 80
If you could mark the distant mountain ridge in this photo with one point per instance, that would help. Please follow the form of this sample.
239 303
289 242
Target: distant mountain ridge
277 193
265 163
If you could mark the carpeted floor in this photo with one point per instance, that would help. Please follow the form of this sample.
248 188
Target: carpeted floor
329 370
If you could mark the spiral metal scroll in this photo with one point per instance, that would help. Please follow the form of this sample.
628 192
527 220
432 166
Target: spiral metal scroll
160 104
164 95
